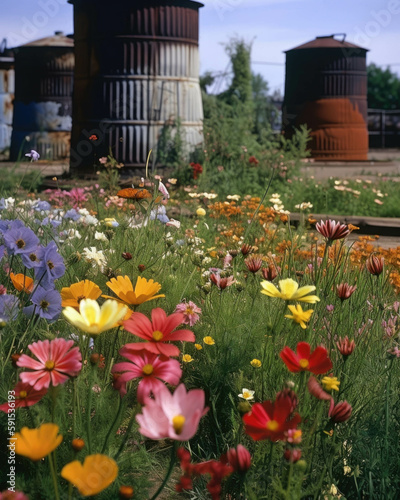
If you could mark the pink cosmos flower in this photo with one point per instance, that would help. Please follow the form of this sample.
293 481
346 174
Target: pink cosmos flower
25 395
150 368
222 283
191 312
12 495
56 363
157 332
332 230
174 416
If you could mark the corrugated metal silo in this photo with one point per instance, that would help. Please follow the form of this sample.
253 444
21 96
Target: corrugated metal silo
6 95
137 68
326 89
43 97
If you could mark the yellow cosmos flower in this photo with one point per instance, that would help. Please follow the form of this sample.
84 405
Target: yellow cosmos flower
199 347
209 340
22 283
256 363
331 383
299 316
289 290
72 295
93 476
94 319
187 358
200 212
37 443
143 292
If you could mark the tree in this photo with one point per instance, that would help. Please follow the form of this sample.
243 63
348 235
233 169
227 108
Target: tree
383 88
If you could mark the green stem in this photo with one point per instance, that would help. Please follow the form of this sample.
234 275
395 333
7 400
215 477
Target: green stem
54 476
128 430
89 411
117 415
169 472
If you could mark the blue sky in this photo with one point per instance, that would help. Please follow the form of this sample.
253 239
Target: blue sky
272 25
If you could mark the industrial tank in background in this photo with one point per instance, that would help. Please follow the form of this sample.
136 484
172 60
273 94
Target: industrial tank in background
6 95
326 89
43 98
137 69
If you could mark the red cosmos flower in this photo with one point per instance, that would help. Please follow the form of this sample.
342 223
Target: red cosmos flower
332 230
345 291
290 395
157 332
271 272
270 420
150 369
25 395
57 362
222 283
253 264
316 362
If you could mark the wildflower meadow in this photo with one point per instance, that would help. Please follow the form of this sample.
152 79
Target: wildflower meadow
162 341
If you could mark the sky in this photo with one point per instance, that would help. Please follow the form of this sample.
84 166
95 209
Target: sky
272 26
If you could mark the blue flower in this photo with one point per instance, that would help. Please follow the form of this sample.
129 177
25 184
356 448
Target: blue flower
9 307
45 303
6 225
72 214
160 213
20 240
51 266
33 155
2 251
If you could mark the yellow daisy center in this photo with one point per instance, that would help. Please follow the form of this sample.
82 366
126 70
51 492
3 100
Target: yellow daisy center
189 310
49 365
304 364
148 369
246 394
177 423
157 335
23 394
272 425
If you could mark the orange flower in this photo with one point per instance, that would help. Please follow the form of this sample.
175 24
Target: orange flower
144 291
22 283
134 194
72 296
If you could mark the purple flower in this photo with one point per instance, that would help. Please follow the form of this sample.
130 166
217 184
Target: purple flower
6 225
51 267
20 240
72 214
33 155
33 258
42 206
191 312
2 251
46 303
9 306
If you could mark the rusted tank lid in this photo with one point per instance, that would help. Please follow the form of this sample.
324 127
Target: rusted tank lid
328 42
155 3
57 40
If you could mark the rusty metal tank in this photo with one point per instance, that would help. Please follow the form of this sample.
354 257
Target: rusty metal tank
43 98
6 95
326 89
137 69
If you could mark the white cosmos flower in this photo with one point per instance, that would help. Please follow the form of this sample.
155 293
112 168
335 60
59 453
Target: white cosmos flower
247 394
100 236
94 256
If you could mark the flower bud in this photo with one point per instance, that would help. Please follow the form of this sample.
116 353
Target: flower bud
244 407
253 264
239 459
374 265
141 267
126 255
78 444
345 291
345 346
271 272
94 359
14 359
292 455
125 492
341 412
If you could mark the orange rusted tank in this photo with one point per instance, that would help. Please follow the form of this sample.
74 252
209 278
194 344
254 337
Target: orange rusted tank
326 89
